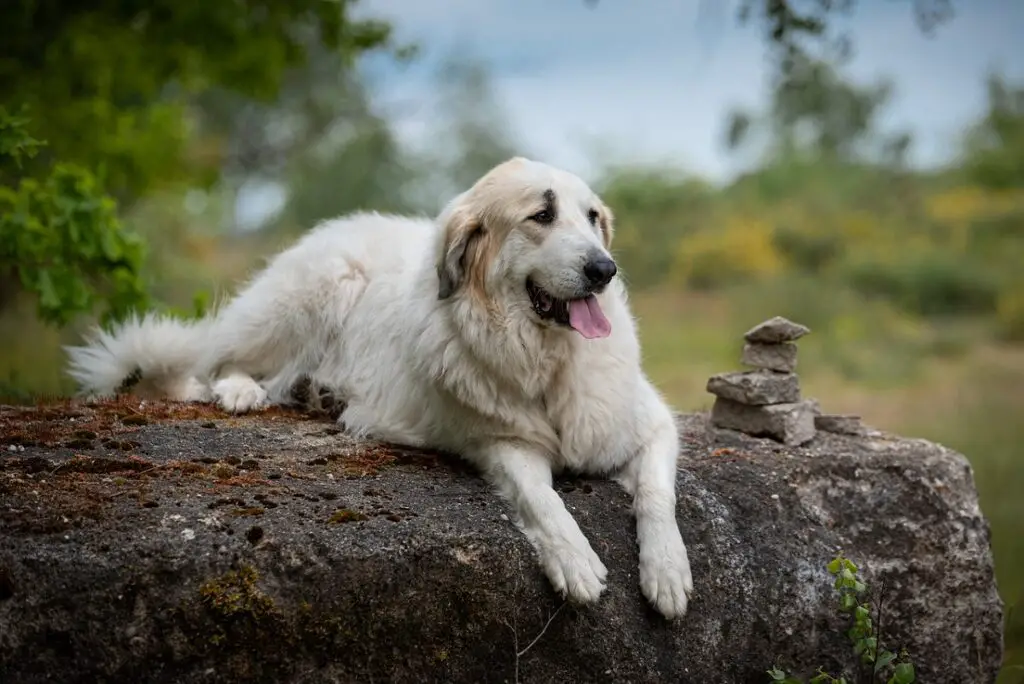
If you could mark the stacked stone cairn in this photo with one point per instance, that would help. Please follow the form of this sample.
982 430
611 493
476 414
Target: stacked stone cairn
766 401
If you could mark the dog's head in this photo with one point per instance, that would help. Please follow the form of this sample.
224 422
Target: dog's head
532 237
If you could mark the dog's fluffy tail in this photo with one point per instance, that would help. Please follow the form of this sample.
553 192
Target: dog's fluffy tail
156 353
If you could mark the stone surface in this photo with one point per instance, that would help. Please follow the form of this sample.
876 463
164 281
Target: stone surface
756 388
791 423
147 543
776 330
776 357
839 423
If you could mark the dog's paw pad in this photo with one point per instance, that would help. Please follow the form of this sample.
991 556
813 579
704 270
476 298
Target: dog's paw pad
300 394
666 580
578 574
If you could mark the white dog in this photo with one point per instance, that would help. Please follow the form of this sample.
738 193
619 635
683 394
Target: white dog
498 332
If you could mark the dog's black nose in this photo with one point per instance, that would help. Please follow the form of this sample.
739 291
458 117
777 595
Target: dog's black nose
599 271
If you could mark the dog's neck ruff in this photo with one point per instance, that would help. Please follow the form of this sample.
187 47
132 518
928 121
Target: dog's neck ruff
518 350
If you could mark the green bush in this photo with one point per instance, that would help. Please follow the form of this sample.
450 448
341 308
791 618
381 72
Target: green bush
61 240
811 252
928 284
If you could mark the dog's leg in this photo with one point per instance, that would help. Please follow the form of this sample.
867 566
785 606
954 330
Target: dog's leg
524 478
650 478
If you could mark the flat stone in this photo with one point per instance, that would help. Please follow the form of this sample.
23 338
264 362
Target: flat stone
840 424
756 388
776 330
792 423
777 357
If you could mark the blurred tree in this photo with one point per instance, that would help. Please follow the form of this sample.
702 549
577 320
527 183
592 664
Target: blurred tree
60 238
475 134
348 158
108 86
106 82
995 146
815 110
654 209
789 25
364 169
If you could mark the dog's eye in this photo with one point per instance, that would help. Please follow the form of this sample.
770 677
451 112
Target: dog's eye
592 217
543 217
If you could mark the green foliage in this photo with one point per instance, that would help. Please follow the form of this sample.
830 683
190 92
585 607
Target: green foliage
878 664
121 94
15 142
997 142
815 110
344 156
930 283
653 209
828 209
109 84
61 240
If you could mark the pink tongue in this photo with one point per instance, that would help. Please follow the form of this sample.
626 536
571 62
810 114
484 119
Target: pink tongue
586 317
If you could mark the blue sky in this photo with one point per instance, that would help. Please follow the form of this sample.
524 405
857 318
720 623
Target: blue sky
652 80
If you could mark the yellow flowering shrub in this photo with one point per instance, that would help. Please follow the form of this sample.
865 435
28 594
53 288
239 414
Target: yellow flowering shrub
740 249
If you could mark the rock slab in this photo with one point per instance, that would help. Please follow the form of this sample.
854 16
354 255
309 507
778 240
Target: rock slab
842 424
159 543
790 423
775 331
775 357
756 388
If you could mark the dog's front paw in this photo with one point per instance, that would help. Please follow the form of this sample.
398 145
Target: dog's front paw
239 394
576 572
665 577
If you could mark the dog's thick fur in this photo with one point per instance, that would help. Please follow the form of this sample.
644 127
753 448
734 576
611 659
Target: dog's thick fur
427 333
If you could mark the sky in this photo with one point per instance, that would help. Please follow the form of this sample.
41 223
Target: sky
651 81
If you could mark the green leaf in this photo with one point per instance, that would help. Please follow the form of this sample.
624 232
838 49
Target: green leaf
48 297
904 674
776 674
111 248
883 660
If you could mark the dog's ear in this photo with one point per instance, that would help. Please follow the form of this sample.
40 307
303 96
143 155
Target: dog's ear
607 223
461 230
